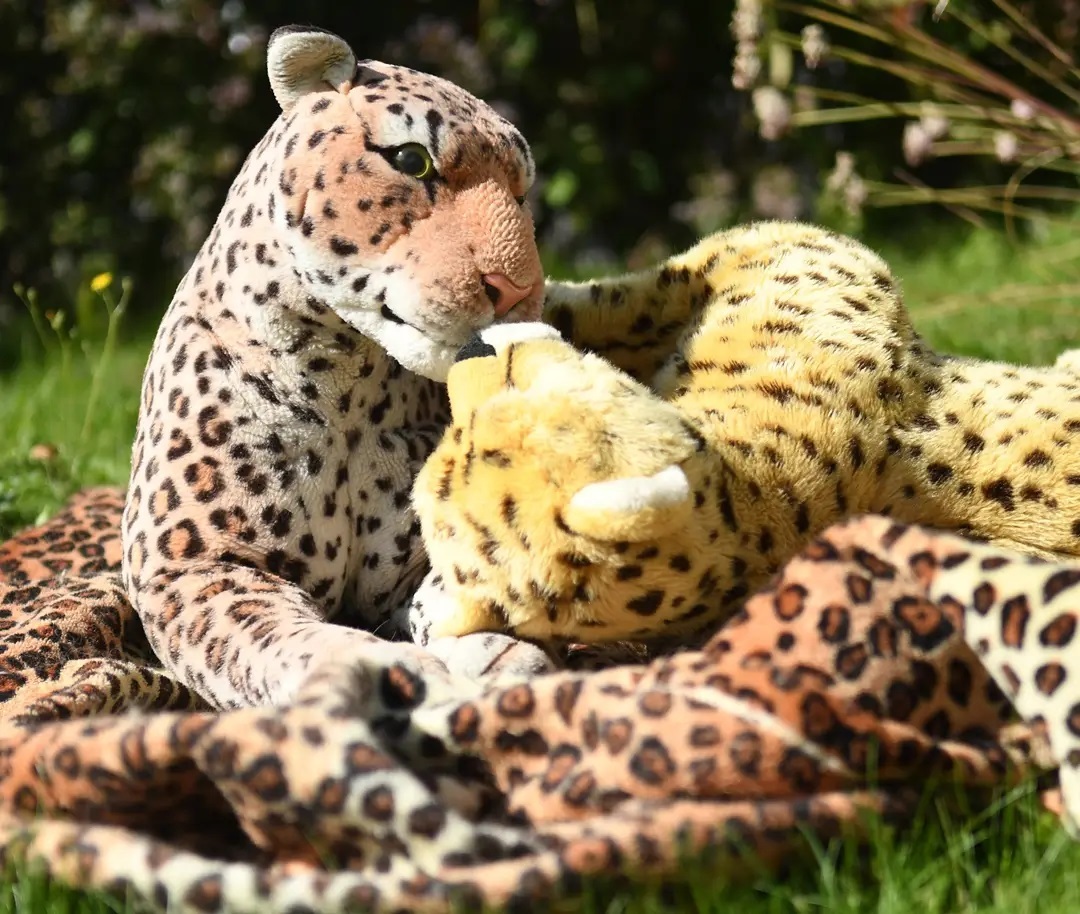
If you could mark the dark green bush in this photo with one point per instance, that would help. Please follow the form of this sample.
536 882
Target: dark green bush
127 120
131 118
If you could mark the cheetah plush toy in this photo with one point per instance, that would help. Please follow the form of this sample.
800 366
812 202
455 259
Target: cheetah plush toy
738 400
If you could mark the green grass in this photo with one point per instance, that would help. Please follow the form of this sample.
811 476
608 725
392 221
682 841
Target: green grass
977 297
1008 860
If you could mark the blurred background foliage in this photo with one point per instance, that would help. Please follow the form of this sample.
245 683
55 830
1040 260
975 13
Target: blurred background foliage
652 122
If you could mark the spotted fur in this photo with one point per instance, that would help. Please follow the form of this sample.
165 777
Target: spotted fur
294 385
379 789
81 540
738 399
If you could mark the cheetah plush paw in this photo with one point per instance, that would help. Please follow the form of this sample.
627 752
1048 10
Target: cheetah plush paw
631 507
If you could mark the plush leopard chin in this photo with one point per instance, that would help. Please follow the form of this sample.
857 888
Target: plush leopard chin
738 398
402 205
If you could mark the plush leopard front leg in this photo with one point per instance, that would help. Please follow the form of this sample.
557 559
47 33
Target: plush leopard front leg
258 516
243 637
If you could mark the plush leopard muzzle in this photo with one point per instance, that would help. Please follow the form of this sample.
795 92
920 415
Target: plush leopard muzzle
402 200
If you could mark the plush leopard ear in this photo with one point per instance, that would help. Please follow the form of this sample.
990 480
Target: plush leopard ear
635 508
302 59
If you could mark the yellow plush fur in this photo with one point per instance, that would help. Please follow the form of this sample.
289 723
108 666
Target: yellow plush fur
737 399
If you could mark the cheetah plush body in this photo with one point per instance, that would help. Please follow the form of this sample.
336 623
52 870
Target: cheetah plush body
739 399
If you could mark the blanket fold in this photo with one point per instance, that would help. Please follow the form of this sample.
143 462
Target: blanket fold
844 688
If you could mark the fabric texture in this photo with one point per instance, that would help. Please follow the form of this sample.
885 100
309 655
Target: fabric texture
881 658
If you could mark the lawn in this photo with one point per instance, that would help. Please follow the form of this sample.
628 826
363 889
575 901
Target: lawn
977 296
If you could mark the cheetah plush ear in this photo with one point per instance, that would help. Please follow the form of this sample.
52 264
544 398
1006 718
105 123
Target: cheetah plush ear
635 508
302 59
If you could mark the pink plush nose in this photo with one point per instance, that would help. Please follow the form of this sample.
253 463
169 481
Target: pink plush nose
502 292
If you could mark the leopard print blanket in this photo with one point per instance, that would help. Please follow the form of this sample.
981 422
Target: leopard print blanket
881 658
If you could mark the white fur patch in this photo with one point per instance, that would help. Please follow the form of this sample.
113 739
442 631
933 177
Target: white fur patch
634 493
503 336
415 351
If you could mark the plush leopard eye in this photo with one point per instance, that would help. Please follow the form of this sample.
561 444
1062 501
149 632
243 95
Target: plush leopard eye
414 160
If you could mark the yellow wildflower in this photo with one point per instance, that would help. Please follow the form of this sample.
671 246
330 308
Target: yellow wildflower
101 282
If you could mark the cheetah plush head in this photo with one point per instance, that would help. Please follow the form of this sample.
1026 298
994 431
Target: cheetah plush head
400 198
561 502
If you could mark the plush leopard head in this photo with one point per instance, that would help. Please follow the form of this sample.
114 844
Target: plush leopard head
399 197
563 502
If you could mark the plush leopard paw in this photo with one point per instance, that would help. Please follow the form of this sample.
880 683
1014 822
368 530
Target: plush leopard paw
434 612
429 618
426 614
490 658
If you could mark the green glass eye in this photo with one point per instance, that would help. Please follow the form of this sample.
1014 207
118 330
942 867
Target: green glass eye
414 160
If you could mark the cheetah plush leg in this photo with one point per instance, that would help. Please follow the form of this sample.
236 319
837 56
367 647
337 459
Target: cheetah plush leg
633 321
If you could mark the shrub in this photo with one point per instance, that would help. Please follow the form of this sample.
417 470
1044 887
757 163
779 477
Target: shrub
128 121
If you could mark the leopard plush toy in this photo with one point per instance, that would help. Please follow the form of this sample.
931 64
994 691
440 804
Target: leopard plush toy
295 383
738 399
